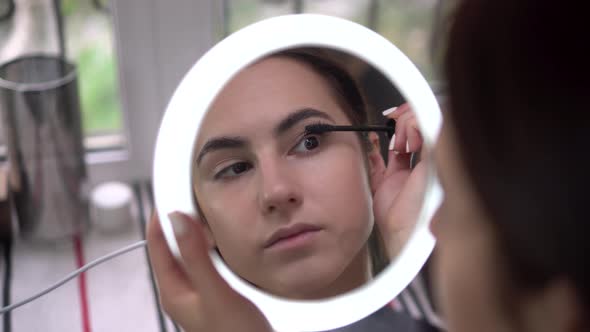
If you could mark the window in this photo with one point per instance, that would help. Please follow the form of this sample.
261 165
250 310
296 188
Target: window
406 23
132 54
32 26
89 41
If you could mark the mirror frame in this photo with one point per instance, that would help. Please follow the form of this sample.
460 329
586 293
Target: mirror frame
196 92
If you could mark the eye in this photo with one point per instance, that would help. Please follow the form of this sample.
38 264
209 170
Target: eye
233 170
308 143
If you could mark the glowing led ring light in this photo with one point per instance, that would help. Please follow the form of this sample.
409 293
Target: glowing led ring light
196 92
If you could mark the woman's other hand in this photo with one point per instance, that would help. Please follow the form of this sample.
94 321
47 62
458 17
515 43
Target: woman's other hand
398 190
192 292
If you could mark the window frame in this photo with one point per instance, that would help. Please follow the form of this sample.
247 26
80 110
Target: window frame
143 31
147 74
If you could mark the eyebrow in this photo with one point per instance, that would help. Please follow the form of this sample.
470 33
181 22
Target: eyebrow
235 142
294 118
219 143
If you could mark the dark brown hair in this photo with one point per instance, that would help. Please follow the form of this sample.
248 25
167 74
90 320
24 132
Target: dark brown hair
343 86
518 74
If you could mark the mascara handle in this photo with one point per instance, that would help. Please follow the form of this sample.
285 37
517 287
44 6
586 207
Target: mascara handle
390 123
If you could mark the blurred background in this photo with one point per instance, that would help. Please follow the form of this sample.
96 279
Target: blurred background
129 56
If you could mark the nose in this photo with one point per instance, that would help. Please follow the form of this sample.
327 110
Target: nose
278 192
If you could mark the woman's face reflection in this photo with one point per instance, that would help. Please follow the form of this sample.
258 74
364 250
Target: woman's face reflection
290 213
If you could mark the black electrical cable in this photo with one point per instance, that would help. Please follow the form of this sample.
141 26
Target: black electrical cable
142 225
151 199
7 253
60 30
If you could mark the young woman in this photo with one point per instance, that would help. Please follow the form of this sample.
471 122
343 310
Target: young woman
512 159
294 213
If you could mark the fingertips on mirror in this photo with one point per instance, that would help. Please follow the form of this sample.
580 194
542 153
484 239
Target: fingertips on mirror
389 111
178 224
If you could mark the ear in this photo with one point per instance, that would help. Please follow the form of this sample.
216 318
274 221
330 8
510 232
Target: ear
376 163
555 308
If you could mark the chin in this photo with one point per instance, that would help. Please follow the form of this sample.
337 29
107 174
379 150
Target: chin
314 281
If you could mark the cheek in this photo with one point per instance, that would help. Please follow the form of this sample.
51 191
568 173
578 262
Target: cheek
229 220
234 233
339 182
466 272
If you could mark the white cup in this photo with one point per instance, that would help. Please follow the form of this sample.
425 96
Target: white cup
111 207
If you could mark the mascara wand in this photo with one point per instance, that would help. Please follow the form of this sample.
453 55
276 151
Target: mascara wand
322 128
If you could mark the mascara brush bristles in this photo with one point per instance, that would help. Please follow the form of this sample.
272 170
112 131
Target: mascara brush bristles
322 128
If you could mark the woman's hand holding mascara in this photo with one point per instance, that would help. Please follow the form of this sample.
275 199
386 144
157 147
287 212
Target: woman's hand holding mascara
398 189
194 295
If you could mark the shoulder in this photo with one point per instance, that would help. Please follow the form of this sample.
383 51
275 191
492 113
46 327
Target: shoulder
416 302
412 311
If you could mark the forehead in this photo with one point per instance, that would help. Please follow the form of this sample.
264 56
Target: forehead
266 92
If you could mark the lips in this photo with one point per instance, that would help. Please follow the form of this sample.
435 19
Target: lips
289 232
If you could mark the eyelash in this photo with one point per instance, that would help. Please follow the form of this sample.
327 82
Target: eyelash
220 175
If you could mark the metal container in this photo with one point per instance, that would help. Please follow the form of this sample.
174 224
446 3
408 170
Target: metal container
41 122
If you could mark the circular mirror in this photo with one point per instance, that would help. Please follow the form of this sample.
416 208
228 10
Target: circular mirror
236 137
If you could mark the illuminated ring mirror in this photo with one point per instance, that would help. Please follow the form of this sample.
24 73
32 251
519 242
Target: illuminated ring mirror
197 91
